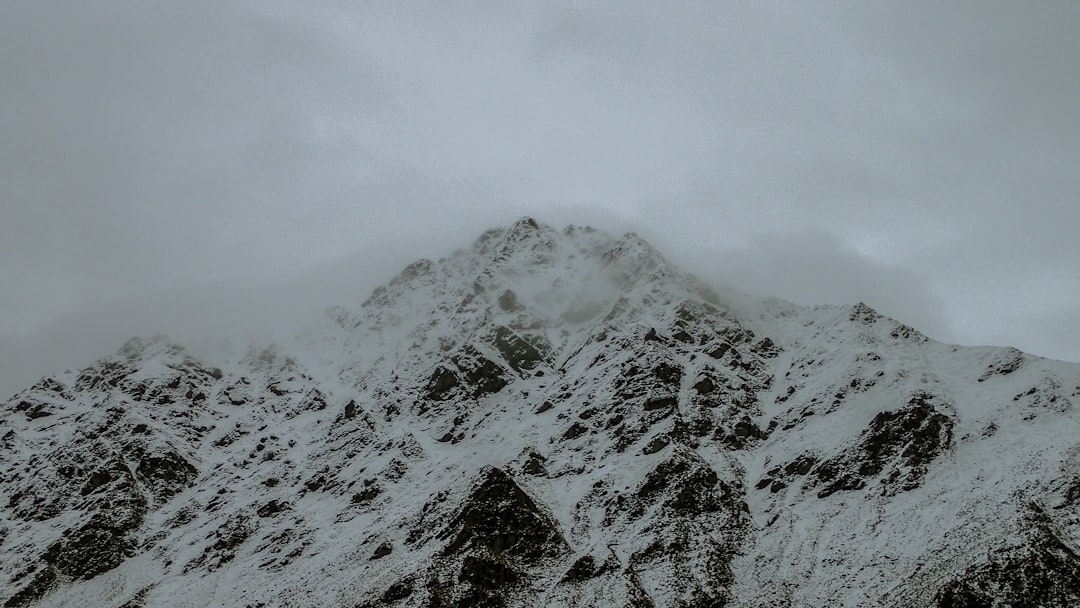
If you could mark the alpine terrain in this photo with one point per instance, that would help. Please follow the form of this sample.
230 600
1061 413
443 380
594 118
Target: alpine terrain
549 418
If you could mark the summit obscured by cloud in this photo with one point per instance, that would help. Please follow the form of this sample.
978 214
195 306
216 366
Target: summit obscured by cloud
917 155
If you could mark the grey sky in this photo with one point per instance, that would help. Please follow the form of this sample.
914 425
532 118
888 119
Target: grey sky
175 165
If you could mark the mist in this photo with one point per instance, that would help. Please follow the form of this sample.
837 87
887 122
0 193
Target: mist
234 168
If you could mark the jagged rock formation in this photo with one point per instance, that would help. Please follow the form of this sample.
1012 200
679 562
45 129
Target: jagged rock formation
550 418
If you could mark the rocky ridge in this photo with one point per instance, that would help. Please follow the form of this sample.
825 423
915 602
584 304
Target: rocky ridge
550 418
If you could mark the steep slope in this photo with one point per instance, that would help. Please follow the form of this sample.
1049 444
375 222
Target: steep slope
550 418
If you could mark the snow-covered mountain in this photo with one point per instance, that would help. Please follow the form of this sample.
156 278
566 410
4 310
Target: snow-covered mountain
550 418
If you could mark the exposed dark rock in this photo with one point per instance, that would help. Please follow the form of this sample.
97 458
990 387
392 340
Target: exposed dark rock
766 348
489 573
958 595
745 427
98 546
519 353
382 550
576 430
1006 363
138 600
272 508
397 592
442 381
668 373
661 402
801 465
228 538
39 586
166 475
99 479
861 313
705 386
740 434
907 333
689 486
585 568
369 492
534 465
1041 572
496 539
657 444
904 441
719 351
34 409
481 374
500 517
698 530
417 269
508 302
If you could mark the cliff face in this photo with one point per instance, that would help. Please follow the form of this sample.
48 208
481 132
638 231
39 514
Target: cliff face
550 418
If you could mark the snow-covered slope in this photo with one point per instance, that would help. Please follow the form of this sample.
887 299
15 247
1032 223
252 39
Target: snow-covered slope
550 418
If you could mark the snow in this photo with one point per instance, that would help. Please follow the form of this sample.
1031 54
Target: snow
593 298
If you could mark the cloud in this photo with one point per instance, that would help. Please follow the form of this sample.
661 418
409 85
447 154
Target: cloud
815 267
233 310
151 144
1054 334
924 149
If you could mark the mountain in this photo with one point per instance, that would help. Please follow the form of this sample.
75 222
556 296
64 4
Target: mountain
549 418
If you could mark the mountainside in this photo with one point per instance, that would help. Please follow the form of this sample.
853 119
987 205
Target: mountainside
550 418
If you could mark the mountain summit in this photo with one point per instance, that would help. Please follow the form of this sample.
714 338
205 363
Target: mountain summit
550 418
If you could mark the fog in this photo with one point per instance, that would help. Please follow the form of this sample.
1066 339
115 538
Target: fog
232 168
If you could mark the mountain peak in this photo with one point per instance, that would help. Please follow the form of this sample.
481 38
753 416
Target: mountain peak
550 418
526 224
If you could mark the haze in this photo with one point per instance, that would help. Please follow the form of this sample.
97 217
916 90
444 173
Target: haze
231 168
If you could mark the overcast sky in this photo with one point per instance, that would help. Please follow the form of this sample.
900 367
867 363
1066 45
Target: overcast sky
213 165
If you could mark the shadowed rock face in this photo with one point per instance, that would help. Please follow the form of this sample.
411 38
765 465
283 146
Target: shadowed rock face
469 372
1042 570
498 516
115 466
899 443
105 539
898 447
98 546
701 526
165 474
495 544
522 352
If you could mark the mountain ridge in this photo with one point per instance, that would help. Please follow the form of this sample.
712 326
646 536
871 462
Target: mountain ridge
550 418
